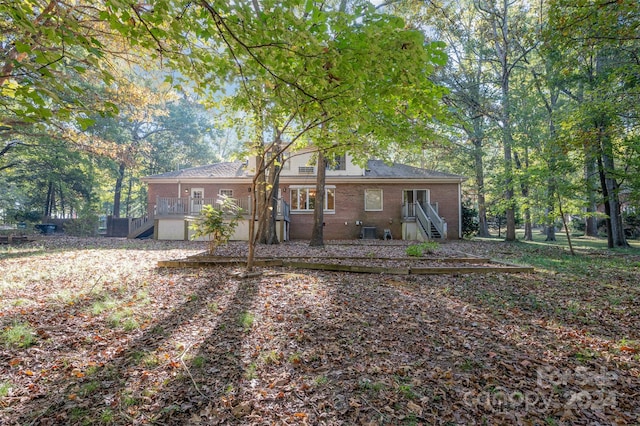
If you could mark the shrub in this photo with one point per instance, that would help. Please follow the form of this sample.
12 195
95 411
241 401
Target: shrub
469 221
414 250
218 224
86 225
418 250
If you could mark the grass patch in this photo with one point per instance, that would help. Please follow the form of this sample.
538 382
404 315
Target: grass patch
19 335
129 400
246 320
199 362
89 388
321 380
368 385
419 250
5 388
101 306
270 357
107 416
213 307
147 359
123 318
65 296
250 372
23 302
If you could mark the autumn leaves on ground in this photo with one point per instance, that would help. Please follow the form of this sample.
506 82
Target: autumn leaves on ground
92 332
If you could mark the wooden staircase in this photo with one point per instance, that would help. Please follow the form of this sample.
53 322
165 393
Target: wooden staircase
430 225
141 227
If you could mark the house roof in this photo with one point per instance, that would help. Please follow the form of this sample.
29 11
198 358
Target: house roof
375 169
380 169
217 170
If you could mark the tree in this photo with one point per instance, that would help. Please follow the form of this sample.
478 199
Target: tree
130 130
507 28
53 180
470 96
383 67
600 44
45 49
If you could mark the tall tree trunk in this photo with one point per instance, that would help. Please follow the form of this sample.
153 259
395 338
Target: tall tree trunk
252 228
262 201
267 193
48 201
272 234
605 201
483 227
317 234
128 199
62 200
554 153
117 193
552 188
510 212
524 188
550 229
591 221
590 173
616 227
502 45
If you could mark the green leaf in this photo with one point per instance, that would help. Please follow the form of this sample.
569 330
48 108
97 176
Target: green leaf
85 122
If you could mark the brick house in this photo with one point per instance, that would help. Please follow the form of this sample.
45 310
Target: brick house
380 201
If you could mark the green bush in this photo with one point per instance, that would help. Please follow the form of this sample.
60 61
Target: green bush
218 223
418 250
414 250
86 225
469 221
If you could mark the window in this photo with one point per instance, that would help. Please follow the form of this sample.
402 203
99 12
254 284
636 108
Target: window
282 161
339 162
226 193
285 162
373 200
304 199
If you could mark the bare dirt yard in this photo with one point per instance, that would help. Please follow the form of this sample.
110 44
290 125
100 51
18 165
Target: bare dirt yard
93 332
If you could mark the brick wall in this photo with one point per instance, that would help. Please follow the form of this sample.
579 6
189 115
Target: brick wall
350 208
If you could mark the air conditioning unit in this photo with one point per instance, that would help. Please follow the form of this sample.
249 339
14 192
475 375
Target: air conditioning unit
368 233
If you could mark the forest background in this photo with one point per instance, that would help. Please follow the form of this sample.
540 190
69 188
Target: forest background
536 103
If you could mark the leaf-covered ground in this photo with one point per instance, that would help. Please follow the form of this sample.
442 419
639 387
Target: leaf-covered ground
92 332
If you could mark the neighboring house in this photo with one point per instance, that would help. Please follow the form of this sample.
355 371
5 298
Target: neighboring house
382 201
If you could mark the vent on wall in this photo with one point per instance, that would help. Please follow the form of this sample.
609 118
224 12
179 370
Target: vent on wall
306 170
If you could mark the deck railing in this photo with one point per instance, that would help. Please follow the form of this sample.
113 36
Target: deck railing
190 206
180 207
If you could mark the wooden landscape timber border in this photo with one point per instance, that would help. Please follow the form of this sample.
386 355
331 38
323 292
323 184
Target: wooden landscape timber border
14 239
204 261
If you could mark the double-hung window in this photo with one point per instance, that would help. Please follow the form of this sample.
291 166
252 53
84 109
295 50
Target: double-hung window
303 199
373 200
